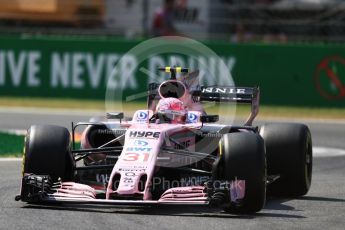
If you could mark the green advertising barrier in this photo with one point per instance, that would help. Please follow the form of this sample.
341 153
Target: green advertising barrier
11 144
301 75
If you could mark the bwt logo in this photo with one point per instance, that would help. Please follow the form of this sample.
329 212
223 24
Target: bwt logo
139 149
140 143
142 115
139 134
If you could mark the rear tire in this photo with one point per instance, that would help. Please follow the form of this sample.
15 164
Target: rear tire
289 154
47 152
243 157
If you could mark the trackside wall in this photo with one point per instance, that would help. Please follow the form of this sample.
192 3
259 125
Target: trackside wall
289 74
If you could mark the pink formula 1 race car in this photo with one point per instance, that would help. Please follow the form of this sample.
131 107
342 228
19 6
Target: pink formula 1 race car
170 153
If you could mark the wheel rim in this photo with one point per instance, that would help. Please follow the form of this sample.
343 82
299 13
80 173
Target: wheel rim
308 162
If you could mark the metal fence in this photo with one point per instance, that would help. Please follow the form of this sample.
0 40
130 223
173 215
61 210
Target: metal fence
288 20
227 20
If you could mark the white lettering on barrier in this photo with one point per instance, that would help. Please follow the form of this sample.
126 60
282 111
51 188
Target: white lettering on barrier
156 62
33 69
74 70
94 69
110 70
202 66
212 70
16 67
175 60
2 68
228 66
59 70
128 65
122 75
77 70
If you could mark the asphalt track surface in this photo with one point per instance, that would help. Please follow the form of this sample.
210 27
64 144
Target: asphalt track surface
322 208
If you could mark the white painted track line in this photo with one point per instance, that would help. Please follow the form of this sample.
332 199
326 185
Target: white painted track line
327 152
6 159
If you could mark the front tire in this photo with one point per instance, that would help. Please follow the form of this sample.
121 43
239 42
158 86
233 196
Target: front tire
289 154
47 152
242 156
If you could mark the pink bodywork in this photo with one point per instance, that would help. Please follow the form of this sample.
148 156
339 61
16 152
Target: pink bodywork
142 145
137 160
195 193
74 190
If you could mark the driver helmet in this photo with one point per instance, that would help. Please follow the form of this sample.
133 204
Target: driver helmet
171 110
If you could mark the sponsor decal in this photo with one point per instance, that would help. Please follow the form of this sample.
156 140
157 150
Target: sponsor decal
237 190
139 149
130 174
142 116
182 145
329 78
132 169
174 112
102 178
140 134
136 167
192 118
138 157
127 180
224 90
140 143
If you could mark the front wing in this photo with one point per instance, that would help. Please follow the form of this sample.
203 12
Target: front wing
41 189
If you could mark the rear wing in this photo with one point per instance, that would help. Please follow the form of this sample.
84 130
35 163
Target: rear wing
246 95
228 94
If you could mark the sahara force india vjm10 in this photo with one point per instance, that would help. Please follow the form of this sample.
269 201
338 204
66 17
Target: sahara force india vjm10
170 153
